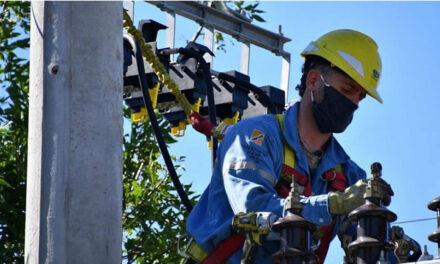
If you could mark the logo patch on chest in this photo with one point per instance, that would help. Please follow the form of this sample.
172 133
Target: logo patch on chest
257 137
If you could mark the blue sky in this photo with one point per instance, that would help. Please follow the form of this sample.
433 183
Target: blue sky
403 133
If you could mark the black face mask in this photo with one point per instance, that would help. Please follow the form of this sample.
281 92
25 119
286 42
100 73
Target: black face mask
334 113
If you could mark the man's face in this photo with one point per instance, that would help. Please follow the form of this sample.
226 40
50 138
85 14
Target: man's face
344 84
333 99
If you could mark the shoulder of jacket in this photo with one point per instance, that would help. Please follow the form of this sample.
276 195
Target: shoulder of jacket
266 123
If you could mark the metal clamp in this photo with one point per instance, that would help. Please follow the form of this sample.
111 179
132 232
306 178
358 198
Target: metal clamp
329 180
183 244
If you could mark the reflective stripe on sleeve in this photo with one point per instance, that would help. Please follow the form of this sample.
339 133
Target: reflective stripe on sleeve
242 165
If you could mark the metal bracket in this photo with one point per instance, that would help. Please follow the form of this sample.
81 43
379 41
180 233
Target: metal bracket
238 28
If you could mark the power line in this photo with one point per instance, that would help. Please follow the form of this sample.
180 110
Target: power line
415 220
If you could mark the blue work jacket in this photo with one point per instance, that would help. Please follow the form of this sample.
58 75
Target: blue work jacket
248 166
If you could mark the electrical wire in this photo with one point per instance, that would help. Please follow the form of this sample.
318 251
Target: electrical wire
211 109
155 125
157 67
163 76
414 221
261 96
210 94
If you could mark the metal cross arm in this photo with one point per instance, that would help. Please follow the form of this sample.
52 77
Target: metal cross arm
236 27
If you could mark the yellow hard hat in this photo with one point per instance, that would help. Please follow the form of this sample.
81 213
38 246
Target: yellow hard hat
354 53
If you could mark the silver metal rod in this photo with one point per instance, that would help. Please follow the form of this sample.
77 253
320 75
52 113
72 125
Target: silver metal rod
245 57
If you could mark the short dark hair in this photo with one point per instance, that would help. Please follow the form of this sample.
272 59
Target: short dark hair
315 62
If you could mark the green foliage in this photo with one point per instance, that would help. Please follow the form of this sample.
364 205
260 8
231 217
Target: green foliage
154 216
247 8
250 9
220 41
14 85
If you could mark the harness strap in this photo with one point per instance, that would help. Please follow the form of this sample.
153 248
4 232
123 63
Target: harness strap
225 250
288 169
336 182
286 178
327 232
335 179
194 251
219 255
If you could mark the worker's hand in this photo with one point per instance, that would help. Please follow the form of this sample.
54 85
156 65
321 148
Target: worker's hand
342 203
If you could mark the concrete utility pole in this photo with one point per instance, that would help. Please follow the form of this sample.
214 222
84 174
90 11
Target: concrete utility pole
74 175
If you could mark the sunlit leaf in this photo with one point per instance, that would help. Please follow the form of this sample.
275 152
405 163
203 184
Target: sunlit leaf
3 182
14 80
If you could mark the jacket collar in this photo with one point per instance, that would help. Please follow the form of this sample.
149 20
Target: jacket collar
334 154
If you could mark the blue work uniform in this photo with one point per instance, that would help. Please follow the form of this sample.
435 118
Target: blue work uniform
248 166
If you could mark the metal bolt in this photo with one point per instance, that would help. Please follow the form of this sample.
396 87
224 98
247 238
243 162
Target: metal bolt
376 169
53 68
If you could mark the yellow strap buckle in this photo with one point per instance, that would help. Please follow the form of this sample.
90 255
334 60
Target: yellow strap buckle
192 250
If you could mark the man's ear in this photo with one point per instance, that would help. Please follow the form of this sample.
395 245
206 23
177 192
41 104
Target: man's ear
312 80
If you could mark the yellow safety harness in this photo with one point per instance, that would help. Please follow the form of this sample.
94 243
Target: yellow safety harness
194 251
289 154
336 181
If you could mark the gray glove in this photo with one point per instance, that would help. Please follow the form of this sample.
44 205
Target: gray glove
342 203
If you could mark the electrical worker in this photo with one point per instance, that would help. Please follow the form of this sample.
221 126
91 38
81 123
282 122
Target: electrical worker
340 69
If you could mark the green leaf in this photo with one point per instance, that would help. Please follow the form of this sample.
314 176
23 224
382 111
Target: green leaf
239 4
21 43
14 76
249 8
153 216
3 182
258 18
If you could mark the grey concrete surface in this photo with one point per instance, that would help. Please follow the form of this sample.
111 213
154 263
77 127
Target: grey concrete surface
74 174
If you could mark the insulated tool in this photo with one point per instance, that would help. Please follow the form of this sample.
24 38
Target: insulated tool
255 226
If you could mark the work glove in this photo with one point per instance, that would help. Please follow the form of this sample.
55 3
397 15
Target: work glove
342 203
